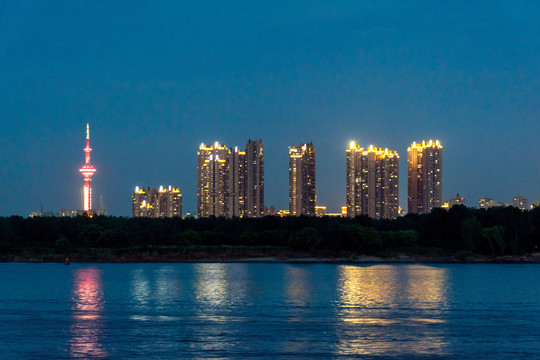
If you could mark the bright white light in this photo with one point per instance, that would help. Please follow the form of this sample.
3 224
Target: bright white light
86 200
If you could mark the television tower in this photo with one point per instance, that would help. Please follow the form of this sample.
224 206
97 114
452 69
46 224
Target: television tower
87 170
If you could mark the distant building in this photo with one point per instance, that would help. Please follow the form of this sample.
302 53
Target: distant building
536 204
230 182
271 211
157 203
254 179
320 211
283 213
372 182
302 189
42 213
334 214
456 200
70 212
486 202
101 210
424 176
522 203
212 177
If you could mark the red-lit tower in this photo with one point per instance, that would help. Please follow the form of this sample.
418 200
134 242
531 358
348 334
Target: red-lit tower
87 170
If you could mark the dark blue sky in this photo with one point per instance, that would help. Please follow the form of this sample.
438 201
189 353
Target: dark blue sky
155 79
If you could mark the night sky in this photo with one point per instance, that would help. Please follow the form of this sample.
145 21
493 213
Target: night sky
155 79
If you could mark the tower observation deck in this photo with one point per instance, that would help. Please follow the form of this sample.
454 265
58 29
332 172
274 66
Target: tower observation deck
87 170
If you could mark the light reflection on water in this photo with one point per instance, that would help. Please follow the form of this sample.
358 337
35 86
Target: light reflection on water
87 328
371 306
245 311
299 287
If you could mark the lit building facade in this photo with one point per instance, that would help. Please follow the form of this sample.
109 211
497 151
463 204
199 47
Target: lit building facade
212 162
157 203
486 202
372 182
302 189
254 179
522 203
320 211
424 176
230 182
456 200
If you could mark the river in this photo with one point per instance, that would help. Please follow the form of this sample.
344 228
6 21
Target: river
267 310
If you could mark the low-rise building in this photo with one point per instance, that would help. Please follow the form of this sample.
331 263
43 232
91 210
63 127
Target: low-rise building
157 203
522 203
486 202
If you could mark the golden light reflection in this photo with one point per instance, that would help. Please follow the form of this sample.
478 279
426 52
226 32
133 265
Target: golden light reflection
426 286
87 328
391 310
299 288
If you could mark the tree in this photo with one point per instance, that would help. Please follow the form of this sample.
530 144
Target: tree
362 239
494 240
113 238
305 239
90 234
63 245
250 238
187 238
471 233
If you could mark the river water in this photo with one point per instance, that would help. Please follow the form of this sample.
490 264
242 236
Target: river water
278 311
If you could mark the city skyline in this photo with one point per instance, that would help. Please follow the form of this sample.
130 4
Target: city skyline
230 167
375 73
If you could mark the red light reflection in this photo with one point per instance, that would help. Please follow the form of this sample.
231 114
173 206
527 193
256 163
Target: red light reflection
87 328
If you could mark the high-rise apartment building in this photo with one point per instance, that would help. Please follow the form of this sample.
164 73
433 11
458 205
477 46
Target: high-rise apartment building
372 182
235 191
254 179
230 182
302 190
157 203
424 176
212 180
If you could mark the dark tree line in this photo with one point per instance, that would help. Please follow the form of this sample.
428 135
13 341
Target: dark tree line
495 231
